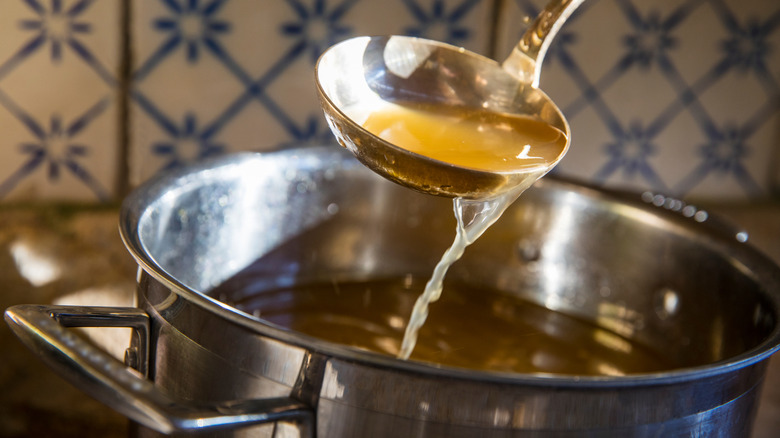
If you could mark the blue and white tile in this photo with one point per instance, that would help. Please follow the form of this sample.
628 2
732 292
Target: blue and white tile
59 100
677 96
216 76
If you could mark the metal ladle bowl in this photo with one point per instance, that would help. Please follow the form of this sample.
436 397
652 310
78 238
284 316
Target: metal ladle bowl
363 72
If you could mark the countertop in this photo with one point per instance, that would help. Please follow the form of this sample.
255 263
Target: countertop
70 255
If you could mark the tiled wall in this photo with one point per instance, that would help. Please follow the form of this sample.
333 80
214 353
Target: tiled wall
217 76
60 99
680 96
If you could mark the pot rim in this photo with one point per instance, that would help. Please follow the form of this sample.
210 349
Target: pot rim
760 267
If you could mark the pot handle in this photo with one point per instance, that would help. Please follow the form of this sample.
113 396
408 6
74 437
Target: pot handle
89 368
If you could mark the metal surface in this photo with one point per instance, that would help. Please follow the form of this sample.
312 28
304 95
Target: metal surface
358 72
526 59
656 276
42 328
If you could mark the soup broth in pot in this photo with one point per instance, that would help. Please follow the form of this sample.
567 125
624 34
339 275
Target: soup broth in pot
470 327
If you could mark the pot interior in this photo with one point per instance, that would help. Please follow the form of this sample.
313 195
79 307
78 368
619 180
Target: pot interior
279 235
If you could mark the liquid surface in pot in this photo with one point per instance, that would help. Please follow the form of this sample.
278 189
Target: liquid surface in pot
469 328
472 138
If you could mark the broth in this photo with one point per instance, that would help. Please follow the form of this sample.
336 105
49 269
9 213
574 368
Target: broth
476 139
472 138
469 328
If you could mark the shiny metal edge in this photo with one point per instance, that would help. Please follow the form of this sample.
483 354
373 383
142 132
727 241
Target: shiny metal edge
761 265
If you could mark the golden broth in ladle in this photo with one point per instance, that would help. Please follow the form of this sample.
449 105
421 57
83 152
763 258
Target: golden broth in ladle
475 139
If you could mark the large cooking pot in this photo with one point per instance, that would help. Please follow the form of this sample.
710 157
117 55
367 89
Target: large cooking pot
654 270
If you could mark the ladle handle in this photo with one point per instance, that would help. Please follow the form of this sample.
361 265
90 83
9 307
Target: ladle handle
42 329
526 58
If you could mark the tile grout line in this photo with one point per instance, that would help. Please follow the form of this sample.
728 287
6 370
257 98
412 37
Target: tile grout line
122 184
497 6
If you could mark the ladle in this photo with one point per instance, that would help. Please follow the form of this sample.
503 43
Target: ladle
359 72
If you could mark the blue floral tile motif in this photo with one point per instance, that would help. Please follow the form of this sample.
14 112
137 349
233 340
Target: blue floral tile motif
58 149
270 104
190 25
454 31
188 143
748 47
56 26
630 151
650 41
723 155
54 141
318 27
194 25
660 114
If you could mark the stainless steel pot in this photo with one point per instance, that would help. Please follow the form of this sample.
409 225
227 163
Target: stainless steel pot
654 270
